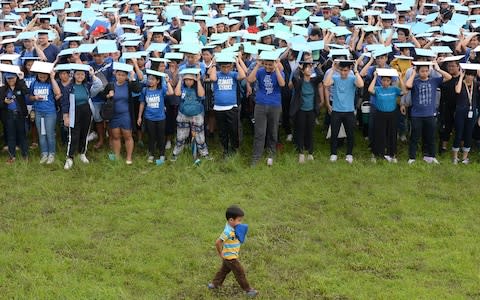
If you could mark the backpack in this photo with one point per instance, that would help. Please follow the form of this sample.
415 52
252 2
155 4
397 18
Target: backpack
107 109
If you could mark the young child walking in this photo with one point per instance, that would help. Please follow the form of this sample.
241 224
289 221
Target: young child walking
228 247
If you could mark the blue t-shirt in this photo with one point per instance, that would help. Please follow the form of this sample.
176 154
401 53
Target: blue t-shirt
81 94
386 98
120 98
154 103
424 94
45 90
268 89
51 53
308 96
378 82
12 106
343 93
225 89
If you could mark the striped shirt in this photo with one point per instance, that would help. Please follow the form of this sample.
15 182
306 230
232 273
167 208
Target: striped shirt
231 244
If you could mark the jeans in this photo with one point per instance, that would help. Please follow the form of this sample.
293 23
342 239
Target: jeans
266 125
156 136
463 130
425 127
304 125
348 120
47 133
227 123
16 133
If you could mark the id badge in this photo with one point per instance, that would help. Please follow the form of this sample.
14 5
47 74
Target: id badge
470 114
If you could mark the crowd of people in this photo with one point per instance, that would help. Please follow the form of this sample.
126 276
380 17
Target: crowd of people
170 73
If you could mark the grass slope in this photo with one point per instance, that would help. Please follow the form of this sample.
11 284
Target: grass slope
317 231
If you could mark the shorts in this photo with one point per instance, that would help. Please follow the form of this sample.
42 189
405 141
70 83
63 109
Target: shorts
97 106
122 121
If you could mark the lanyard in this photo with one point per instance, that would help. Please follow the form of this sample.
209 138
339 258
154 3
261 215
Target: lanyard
469 94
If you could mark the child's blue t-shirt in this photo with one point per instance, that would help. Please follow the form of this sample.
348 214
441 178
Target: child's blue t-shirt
343 93
386 98
424 95
225 89
268 91
45 90
154 103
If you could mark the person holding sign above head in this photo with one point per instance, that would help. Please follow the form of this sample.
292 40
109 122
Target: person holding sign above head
343 104
77 109
14 108
268 73
225 84
152 108
44 92
190 118
385 125
423 108
466 110
120 91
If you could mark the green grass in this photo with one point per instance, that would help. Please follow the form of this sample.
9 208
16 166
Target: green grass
317 231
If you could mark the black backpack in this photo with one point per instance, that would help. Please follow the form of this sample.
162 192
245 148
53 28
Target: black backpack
107 110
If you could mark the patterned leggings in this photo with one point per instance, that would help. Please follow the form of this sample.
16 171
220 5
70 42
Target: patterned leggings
185 124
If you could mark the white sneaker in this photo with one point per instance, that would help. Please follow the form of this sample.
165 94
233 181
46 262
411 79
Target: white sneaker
43 159
301 158
373 160
403 138
455 161
269 162
434 161
50 159
289 138
150 159
92 136
427 159
68 164
411 161
162 158
349 159
168 145
394 161
466 161
388 158
309 157
333 158
84 159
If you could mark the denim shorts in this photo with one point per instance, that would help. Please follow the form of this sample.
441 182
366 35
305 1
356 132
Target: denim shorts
97 106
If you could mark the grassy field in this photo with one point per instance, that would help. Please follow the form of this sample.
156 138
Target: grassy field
317 231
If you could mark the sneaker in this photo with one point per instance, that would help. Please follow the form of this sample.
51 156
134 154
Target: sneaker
84 159
150 159
349 159
333 158
435 161
466 161
252 293
129 162
68 164
168 145
211 286
393 161
411 161
309 157
92 136
301 158
373 159
289 138
207 157
269 161
427 159
387 158
403 138
173 158
11 160
50 159
455 161
43 159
